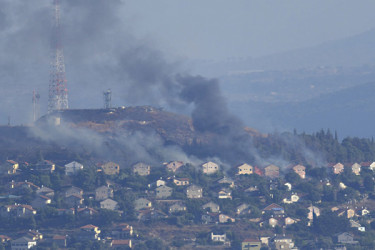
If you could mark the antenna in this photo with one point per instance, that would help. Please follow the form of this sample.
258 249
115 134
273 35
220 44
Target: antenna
58 92
36 106
107 99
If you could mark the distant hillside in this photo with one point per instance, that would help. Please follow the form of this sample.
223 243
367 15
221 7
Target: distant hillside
347 52
349 111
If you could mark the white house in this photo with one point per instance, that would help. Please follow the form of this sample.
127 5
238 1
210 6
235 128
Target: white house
72 168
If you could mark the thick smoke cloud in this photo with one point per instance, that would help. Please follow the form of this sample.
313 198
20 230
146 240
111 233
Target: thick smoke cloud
100 53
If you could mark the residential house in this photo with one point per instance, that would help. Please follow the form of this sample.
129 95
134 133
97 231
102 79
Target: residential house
177 207
346 238
46 191
181 181
174 166
9 167
223 218
251 244
109 204
122 231
4 239
17 210
163 192
86 211
226 180
372 166
356 169
355 224
34 235
45 166
338 168
22 243
210 168
60 240
74 200
313 210
244 169
210 218
41 201
212 207
273 209
157 183
121 244
194 192
151 214
73 191
22 187
110 168
300 170
243 209
347 212
103 192
142 169
142 203
283 243
291 199
364 211
224 194
272 171
72 168
218 237
89 232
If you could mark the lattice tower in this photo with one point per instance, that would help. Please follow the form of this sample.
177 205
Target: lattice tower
58 92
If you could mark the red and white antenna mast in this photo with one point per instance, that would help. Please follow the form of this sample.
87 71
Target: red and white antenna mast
58 92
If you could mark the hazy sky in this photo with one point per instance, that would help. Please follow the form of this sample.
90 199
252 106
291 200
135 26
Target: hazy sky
217 29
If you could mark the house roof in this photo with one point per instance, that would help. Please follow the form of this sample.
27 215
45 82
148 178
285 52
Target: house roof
59 237
89 226
251 240
12 162
4 238
44 197
22 240
273 206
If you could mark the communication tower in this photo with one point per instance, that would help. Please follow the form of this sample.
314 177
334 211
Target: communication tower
36 107
107 99
58 92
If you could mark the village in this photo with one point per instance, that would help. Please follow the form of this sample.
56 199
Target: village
183 206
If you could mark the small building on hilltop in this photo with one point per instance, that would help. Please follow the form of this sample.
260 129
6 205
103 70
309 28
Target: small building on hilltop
356 169
9 167
338 168
300 170
194 192
45 166
110 168
103 192
244 169
109 204
163 192
72 168
272 171
210 167
142 169
174 166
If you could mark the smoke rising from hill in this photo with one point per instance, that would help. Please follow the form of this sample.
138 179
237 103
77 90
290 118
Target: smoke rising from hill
100 53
